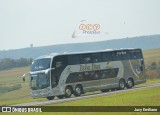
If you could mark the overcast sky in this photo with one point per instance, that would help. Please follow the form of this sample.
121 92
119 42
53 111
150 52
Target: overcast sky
49 22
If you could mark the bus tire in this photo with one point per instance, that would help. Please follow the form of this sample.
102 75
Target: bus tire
130 83
50 97
78 90
68 92
122 84
60 96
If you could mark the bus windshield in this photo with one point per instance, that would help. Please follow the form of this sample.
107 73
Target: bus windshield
40 64
39 81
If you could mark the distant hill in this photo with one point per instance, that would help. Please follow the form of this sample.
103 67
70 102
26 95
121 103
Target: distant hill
143 42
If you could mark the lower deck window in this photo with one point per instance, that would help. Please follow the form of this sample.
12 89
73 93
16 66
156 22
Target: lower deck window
92 75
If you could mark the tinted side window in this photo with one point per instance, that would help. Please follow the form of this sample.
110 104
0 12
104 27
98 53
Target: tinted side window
73 59
136 54
96 57
120 55
89 76
85 58
59 61
127 55
115 56
107 56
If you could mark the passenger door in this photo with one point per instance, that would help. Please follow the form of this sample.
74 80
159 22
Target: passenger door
59 63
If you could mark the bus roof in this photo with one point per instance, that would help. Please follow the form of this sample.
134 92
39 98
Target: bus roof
85 52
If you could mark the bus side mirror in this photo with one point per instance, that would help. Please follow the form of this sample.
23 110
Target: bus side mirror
141 68
48 70
142 62
24 76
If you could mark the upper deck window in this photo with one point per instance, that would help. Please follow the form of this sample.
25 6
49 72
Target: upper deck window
73 59
120 55
96 57
136 54
107 56
85 58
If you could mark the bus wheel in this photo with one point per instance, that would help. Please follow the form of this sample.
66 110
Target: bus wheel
60 96
50 97
68 92
122 84
78 91
130 83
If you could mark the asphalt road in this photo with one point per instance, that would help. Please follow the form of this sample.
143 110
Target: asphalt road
40 103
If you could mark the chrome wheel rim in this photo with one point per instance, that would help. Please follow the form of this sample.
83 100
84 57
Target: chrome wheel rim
68 92
130 84
121 84
78 90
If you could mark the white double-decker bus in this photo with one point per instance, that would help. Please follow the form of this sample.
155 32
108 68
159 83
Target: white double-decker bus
65 74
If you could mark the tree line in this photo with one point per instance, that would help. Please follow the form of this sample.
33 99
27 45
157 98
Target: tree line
8 63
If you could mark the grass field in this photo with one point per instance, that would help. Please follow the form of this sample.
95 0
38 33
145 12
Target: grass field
13 76
152 55
143 97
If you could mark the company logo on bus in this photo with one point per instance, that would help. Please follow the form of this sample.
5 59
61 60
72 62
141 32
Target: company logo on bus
90 28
